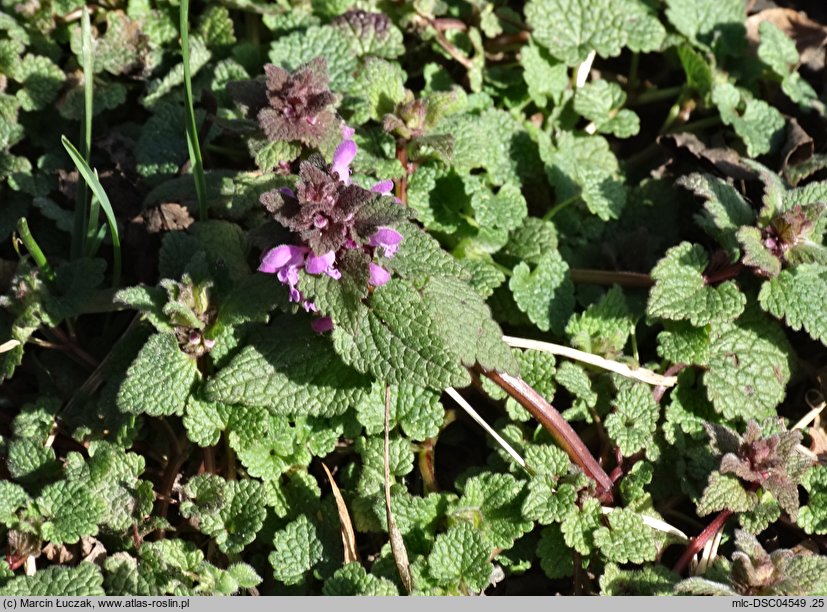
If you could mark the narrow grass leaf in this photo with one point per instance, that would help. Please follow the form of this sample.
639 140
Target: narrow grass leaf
91 179
192 130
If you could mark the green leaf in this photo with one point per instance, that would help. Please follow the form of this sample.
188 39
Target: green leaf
649 580
506 153
417 410
290 369
555 556
812 517
765 513
465 325
435 206
585 167
633 424
531 240
776 49
604 327
370 33
84 580
160 379
12 498
158 89
699 72
545 294
492 503
708 23
40 79
682 343
70 512
749 367
547 502
725 211
578 527
757 123
756 254
297 549
421 256
380 86
681 293
334 44
506 209
149 301
546 77
601 103
798 296
29 462
215 26
111 475
627 539
398 341
204 421
161 148
400 461
237 517
460 559
725 491
605 26
575 380
351 580
537 368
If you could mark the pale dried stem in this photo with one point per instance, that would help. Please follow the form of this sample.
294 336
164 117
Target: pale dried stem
584 69
810 416
656 524
474 415
640 374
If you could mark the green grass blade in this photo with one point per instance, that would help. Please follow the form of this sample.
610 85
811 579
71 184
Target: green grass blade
192 130
85 221
91 179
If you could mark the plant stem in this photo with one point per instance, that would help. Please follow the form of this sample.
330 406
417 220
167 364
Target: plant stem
558 427
25 236
192 131
700 124
611 277
560 206
724 274
699 541
673 370
656 95
402 184
631 83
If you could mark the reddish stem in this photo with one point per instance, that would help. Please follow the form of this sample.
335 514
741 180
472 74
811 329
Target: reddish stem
673 370
611 277
724 274
558 427
402 183
699 541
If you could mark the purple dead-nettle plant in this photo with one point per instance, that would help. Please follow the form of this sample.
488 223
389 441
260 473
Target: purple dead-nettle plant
333 220
291 106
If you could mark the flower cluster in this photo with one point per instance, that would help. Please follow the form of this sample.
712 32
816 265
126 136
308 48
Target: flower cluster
294 106
330 215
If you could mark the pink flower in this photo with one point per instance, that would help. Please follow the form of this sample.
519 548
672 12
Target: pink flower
388 239
316 264
378 275
345 153
321 325
383 187
284 261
